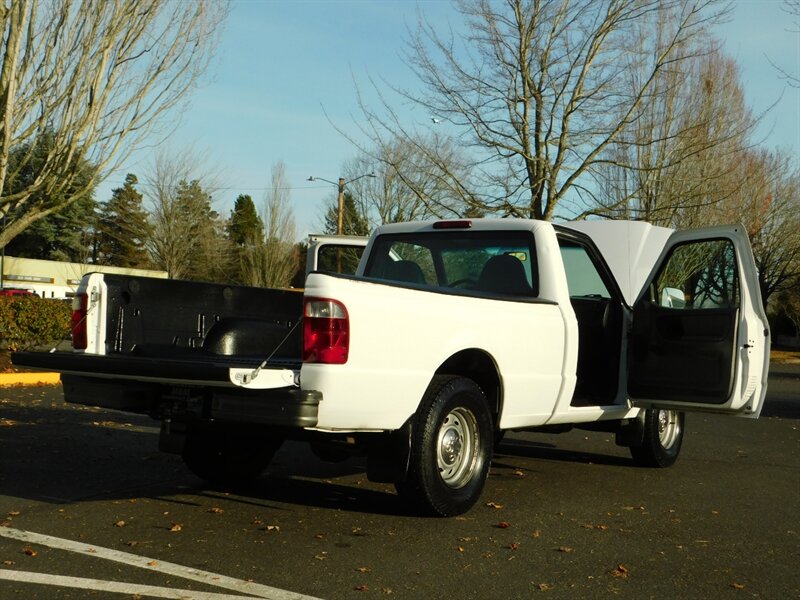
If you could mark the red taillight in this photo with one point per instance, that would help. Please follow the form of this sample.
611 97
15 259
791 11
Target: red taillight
326 332
80 304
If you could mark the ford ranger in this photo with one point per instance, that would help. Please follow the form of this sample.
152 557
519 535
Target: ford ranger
449 334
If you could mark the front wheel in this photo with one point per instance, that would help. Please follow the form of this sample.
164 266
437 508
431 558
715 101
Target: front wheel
451 448
663 436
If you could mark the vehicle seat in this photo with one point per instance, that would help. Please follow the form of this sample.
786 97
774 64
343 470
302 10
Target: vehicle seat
406 271
504 274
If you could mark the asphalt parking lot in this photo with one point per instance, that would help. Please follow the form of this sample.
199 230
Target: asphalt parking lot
90 509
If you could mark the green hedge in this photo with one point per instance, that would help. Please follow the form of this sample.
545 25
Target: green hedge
28 321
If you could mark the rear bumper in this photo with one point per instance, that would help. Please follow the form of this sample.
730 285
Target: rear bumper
284 407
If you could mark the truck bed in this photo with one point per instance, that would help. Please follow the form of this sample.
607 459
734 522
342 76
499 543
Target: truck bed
169 341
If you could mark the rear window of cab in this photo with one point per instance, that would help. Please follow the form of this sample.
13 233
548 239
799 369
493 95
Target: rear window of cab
487 262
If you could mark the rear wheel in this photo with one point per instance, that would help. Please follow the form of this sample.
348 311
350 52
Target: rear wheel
451 448
663 436
226 455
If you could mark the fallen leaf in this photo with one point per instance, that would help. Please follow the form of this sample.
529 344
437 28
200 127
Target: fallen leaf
737 586
322 556
29 551
120 523
536 533
460 549
7 423
519 473
175 527
9 563
216 510
152 563
494 505
361 588
275 528
621 571
513 546
504 525
363 569
565 549
357 531
14 513
386 591
544 587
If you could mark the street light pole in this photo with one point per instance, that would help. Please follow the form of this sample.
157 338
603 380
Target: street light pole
340 186
340 214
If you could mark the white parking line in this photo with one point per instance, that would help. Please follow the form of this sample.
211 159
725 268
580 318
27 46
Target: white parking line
115 586
150 564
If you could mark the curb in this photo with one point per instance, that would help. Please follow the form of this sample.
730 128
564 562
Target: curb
15 379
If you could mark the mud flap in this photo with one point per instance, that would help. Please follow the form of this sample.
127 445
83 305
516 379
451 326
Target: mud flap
388 456
631 431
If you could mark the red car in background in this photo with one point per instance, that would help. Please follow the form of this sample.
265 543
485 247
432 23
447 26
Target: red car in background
15 292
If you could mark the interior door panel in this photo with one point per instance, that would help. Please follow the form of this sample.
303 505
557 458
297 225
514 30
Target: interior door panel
684 355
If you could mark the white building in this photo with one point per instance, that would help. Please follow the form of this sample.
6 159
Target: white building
54 279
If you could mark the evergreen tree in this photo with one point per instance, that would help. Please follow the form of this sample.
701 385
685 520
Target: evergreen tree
123 227
206 259
245 226
353 222
64 234
245 233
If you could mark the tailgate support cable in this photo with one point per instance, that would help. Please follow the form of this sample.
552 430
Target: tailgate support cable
249 377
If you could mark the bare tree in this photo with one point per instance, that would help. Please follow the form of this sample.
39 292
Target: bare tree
683 155
98 75
792 8
539 89
770 209
273 262
408 183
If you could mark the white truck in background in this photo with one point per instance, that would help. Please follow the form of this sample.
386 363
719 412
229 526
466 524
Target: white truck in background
448 334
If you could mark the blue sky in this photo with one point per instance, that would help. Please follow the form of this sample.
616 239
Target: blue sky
282 65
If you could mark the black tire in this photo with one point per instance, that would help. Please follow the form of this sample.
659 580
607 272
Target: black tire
227 455
451 448
663 436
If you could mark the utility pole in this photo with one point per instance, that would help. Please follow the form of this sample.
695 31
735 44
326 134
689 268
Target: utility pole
340 186
340 215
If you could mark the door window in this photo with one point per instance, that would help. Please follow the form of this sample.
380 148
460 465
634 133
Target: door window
583 278
684 335
699 275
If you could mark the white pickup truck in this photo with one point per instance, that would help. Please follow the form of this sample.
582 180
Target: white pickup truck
449 334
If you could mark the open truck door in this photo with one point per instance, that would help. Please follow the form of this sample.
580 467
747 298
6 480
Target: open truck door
699 338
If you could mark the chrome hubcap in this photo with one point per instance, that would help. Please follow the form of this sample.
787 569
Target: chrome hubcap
669 427
456 448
